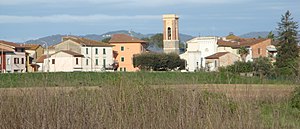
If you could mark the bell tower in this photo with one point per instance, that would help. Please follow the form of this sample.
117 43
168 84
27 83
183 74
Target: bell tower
171 33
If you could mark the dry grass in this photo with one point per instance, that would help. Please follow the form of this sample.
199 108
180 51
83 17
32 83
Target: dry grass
136 106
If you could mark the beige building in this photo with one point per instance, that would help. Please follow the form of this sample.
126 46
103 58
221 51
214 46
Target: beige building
220 59
170 33
88 55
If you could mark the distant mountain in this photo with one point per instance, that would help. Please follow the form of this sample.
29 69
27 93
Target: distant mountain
257 34
54 39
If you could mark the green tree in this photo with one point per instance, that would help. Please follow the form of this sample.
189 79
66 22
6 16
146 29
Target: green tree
288 52
271 36
243 51
157 39
106 40
263 66
158 61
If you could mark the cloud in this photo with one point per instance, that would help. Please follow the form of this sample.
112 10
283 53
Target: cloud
72 18
127 2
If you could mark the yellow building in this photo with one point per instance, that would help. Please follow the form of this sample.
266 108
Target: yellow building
125 47
33 52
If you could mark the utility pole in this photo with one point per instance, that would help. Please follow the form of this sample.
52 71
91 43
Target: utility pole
2 57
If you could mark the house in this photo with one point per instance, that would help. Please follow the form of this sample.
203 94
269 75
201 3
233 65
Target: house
13 57
33 52
125 47
256 47
197 49
220 59
77 54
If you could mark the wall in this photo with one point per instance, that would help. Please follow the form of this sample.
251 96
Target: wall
11 67
130 49
68 45
199 48
263 49
92 56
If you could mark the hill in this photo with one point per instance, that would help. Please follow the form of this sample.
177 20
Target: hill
54 39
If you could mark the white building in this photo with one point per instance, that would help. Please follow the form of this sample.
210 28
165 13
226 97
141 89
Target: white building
15 57
78 54
197 49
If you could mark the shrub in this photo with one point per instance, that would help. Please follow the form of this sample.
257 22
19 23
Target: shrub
158 61
295 100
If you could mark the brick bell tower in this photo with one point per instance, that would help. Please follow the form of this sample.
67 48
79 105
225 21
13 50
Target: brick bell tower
171 33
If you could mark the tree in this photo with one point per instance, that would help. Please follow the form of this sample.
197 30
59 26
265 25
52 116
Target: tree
288 51
243 51
156 39
158 61
106 40
262 66
271 36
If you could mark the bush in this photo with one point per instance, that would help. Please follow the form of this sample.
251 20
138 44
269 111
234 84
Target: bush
295 100
158 61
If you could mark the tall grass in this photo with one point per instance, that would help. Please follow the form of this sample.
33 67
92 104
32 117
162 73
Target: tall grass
127 106
142 78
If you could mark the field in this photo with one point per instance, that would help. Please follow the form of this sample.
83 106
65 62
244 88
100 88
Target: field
145 100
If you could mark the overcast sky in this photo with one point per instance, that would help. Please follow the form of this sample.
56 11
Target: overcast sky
21 20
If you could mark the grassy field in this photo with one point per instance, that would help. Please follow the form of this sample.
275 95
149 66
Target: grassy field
146 100
140 78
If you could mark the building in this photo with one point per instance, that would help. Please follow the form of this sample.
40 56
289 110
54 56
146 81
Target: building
197 49
125 47
77 54
13 58
33 52
256 47
220 59
170 33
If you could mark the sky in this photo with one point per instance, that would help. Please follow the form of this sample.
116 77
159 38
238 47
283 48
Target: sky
21 20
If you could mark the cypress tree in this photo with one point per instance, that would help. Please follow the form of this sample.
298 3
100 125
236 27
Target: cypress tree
288 51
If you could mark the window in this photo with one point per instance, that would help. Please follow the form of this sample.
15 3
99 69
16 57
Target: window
104 63
1 60
87 61
122 59
169 33
258 51
22 60
96 61
96 51
216 65
87 50
77 62
8 61
53 61
121 69
104 52
122 48
124 69
16 60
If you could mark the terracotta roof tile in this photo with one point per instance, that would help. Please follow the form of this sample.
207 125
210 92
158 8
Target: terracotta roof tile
123 38
12 44
6 49
87 42
216 55
32 46
41 59
75 54
242 43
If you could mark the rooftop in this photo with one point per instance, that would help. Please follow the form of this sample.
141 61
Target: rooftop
86 42
123 38
16 45
216 55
